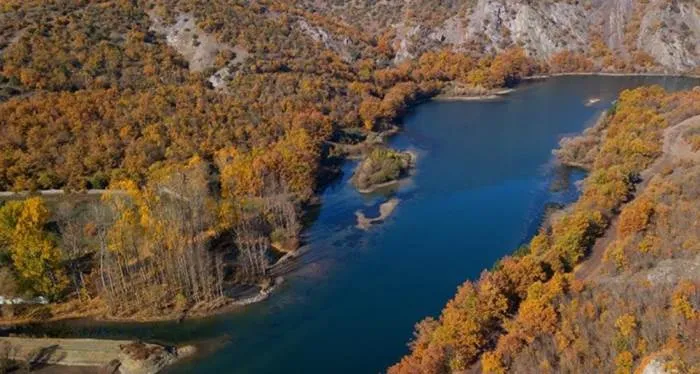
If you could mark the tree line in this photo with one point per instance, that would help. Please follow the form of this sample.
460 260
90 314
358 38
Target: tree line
531 312
205 183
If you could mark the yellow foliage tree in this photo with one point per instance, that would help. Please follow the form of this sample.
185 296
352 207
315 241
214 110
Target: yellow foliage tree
635 217
682 305
35 257
491 363
626 324
370 112
624 362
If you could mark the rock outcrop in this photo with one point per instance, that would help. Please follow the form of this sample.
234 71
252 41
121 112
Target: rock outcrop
668 32
142 358
665 31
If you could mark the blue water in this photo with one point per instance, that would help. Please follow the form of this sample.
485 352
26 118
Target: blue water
482 181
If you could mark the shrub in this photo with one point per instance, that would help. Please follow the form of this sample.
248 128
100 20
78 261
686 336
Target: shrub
381 166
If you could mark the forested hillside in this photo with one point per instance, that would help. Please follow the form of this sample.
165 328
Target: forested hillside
634 304
607 35
210 124
205 129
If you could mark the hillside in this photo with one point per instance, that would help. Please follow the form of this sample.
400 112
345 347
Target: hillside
615 35
204 130
612 284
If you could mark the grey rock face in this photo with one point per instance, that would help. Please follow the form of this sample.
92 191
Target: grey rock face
669 32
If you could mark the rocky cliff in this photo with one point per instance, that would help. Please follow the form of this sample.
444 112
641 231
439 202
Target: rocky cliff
614 34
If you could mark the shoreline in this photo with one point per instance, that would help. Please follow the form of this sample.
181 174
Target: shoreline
500 93
379 186
226 306
114 355
610 74
491 95
230 305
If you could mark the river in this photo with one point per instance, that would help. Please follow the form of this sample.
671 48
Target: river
482 181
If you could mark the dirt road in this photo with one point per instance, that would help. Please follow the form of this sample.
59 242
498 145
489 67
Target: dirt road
675 149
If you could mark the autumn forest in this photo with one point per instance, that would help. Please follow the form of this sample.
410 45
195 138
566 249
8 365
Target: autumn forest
148 176
96 100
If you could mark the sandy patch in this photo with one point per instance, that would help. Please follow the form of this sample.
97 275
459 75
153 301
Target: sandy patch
385 210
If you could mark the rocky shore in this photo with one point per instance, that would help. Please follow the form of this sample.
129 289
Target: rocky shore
473 95
110 356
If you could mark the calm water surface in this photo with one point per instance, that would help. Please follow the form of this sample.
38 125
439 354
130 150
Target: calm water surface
483 179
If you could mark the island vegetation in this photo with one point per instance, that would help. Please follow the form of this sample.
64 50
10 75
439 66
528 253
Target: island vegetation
381 167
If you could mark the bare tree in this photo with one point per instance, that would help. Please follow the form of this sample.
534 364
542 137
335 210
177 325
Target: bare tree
73 244
282 214
157 248
252 246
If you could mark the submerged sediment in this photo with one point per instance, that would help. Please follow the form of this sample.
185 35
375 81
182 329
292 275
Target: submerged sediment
385 210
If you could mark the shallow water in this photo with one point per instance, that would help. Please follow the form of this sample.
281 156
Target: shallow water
482 182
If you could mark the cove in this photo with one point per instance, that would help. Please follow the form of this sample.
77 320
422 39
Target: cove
349 304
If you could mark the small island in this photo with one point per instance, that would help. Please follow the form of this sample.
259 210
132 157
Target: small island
385 210
382 167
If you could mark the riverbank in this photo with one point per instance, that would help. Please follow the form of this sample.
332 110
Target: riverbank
478 194
376 187
611 74
123 356
449 95
499 93
580 150
629 146
222 307
97 311
489 95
